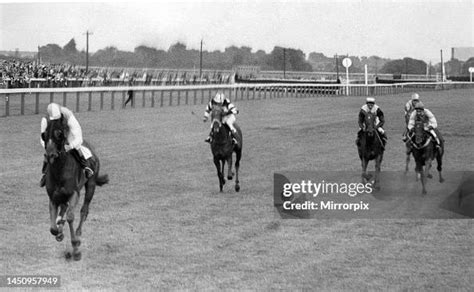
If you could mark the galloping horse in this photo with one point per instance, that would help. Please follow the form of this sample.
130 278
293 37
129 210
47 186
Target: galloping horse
64 181
424 152
222 147
370 148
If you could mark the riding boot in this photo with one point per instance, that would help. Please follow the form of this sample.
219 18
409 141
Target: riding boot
88 168
209 138
235 136
404 136
43 176
85 163
384 138
357 141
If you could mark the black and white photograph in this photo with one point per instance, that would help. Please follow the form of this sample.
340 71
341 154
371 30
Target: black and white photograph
237 145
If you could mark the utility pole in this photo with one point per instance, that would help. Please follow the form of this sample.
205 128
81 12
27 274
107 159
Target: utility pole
406 68
87 50
284 63
376 67
200 63
429 75
442 67
39 56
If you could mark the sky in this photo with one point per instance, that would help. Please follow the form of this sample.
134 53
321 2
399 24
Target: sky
389 29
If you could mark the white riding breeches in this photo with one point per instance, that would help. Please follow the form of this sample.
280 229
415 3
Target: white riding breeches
229 120
84 151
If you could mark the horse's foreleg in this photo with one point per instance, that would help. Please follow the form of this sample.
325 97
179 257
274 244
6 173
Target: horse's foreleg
238 155
364 163
378 163
60 221
230 175
53 213
439 160
407 160
220 175
90 189
423 180
428 167
75 240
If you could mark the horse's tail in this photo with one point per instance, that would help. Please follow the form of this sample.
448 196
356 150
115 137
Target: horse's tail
102 180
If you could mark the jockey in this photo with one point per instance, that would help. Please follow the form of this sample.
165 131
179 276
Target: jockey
430 123
74 139
229 111
409 108
370 106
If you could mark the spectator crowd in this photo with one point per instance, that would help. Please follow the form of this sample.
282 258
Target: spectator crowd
16 73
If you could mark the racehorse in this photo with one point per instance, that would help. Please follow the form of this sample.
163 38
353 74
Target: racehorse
64 181
370 147
222 147
424 151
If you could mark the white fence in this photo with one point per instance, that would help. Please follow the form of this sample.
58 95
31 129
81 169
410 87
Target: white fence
23 101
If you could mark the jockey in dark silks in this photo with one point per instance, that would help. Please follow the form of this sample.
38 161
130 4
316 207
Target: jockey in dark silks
229 118
74 139
370 106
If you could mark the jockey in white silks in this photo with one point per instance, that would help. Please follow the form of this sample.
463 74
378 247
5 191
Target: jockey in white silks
429 120
229 118
74 138
409 109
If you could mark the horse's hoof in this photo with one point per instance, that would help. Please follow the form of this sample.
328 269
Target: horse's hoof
77 256
54 231
237 188
60 237
229 177
430 175
78 232
76 243
441 180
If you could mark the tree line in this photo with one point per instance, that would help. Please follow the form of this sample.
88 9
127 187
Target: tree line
178 56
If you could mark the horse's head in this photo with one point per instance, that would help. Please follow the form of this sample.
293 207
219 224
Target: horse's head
217 113
55 138
420 136
370 124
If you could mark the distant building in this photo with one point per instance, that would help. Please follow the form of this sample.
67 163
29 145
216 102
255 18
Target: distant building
462 53
19 54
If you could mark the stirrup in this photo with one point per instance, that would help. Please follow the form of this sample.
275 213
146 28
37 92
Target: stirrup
89 172
234 141
208 140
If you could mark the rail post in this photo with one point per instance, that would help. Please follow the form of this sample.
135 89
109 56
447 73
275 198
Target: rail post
7 105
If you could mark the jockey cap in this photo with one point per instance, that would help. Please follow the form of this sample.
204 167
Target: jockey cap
420 106
370 100
415 96
54 111
219 98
